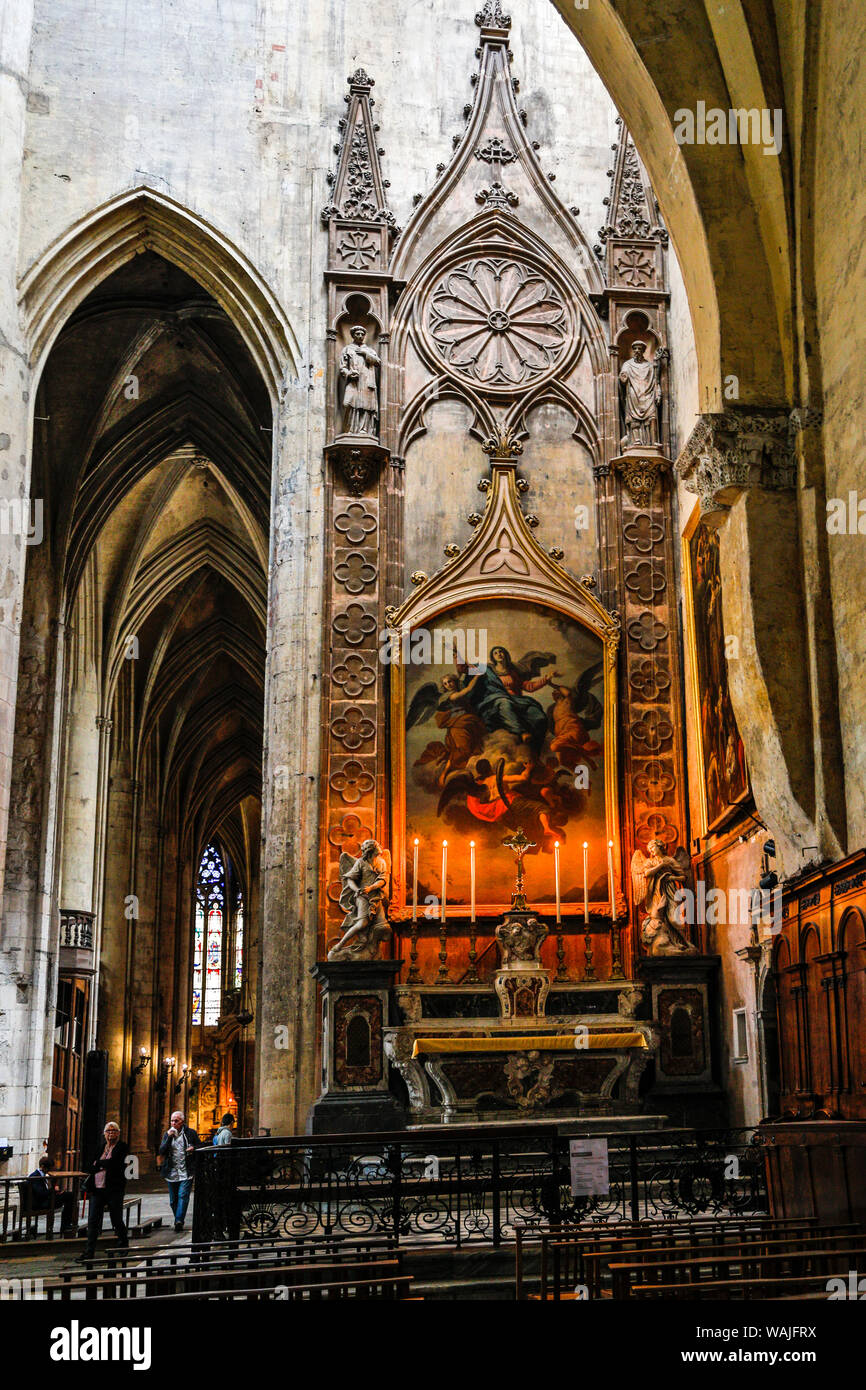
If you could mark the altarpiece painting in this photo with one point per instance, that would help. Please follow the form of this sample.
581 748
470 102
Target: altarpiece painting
518 742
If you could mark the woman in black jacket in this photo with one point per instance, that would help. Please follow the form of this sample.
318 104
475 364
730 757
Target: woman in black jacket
105 1185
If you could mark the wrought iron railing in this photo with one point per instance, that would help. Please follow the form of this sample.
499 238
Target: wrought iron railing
466 1188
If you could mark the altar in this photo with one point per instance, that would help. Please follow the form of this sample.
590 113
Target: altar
497 1074
504 827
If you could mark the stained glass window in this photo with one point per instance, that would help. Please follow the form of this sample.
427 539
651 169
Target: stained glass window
239 942
208 939
198 948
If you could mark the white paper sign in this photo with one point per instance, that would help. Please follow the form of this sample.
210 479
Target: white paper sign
590 1167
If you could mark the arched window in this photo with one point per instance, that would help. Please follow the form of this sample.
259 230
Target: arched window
210 900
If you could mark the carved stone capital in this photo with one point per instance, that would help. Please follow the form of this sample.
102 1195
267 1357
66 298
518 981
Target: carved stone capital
731 450
359 458
640 473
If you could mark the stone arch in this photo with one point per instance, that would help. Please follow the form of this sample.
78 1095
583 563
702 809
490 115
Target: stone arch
736 268
143 219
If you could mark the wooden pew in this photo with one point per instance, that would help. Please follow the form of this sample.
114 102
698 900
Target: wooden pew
602 1237
210 1280
782 1287
397 1287
752 1269
622 1264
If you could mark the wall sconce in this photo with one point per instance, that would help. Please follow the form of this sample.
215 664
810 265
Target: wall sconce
166 1067
183 1079
143 1062
196 1083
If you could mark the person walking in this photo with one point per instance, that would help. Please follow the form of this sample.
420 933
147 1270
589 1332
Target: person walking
176 1144
224 1133
105 1186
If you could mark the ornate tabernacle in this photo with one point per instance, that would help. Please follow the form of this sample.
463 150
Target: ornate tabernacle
503 670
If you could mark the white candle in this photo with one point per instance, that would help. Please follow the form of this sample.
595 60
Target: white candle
472 880
556 877
444 912
586 882
610 878
415 883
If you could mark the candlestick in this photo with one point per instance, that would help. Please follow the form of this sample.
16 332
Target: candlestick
586 882
471 975
442 976
610 880
472 880
444 909
414 976
560 943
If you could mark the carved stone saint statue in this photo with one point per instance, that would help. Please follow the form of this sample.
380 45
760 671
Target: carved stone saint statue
364 899
358 367
640 393
657 878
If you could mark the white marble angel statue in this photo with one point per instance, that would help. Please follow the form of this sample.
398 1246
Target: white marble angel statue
364 899
657 878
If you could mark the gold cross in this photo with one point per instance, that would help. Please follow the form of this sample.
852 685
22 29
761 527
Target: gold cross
519 844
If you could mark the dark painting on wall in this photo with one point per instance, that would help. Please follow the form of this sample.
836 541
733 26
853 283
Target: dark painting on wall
725 778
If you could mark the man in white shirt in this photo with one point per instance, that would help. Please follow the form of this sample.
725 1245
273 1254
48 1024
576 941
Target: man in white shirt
176 1144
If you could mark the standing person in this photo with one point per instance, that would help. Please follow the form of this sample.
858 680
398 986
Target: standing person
105 1186
224 1133
176 1144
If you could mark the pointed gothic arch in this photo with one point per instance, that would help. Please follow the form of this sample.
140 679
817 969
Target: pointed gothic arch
143 219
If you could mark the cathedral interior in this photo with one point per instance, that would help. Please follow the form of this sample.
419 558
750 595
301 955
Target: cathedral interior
431 666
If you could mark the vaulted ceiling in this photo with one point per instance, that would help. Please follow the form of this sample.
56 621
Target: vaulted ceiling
153 457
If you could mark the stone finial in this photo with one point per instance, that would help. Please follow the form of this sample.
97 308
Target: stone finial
491 16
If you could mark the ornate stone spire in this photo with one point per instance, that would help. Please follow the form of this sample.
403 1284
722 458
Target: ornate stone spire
359 190
631 211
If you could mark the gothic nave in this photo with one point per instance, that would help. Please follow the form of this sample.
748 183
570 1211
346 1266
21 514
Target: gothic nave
431 644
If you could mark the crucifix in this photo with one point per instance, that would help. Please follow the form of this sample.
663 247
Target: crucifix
519 844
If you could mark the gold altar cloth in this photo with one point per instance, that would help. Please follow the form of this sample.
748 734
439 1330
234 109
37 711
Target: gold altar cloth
563 1042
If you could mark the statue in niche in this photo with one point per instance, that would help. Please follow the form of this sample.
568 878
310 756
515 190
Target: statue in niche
657 878
364 899
358 367
641 393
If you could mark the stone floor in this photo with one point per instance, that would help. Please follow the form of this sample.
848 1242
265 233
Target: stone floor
60 1254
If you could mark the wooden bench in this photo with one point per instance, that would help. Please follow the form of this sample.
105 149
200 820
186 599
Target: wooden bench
137 1284
590 1266
597 1236
746 1269
392 1288
784 1287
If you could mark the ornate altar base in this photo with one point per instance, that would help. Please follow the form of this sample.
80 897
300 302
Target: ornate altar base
489 1071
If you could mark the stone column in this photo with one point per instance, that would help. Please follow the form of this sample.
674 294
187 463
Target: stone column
286 1021
742 464
15 385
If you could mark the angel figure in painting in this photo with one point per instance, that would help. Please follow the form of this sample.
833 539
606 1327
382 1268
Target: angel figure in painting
464 730
366 884
574 713
657 878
